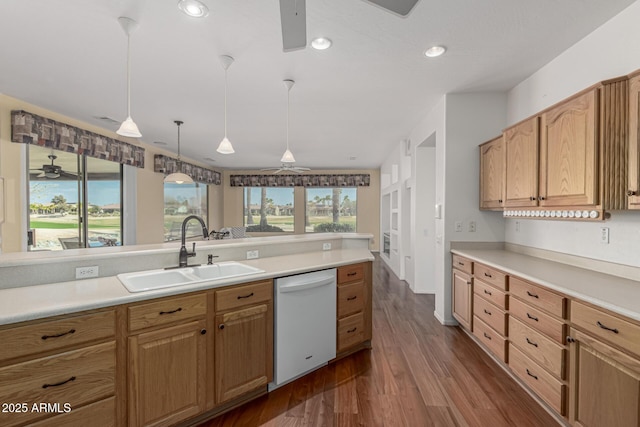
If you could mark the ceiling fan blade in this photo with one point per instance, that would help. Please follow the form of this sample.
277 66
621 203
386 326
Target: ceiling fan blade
293 17
399 7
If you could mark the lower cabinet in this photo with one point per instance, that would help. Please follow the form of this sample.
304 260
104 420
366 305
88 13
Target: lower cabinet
244 351
462 297
354 322
167 380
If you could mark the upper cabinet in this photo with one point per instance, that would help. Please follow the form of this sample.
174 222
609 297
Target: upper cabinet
521 164
633 190
491 174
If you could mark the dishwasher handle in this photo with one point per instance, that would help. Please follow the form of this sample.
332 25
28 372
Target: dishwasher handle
301 286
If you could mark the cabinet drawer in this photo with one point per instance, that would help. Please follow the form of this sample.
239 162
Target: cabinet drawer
537 296
101 413
227 299
538 320
52 335
462 264
490 293
550 389
350 273
350 298
490 275
75 377
167 311
490 338
619 332
538 347
350 331
490 314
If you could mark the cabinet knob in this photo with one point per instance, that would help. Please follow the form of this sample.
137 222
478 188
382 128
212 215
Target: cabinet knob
499 200
570 340
532 198
541 197
203 331
221 326
631 193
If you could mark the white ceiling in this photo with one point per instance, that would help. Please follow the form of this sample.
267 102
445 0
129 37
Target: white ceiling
357 99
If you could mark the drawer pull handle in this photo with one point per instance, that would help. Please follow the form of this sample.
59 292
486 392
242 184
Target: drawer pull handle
352 298
486 336
460 263
468 283
532 317
171 311
58 384
614 330
71 331
531 342
532 295
487 292
352 274
487 312
352 330
531 375
487 275
245 296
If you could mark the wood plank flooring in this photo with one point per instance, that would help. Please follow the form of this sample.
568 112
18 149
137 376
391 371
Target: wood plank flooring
419 373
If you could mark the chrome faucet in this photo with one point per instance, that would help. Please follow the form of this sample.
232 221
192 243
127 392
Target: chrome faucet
184 254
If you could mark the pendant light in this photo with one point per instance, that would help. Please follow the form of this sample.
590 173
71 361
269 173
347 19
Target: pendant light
287 157
128 127
225 146
178 177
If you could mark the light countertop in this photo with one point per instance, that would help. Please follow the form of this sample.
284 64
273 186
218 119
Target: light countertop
613 293
40 301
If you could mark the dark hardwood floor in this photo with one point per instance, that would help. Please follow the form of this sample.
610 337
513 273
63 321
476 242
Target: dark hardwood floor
418 373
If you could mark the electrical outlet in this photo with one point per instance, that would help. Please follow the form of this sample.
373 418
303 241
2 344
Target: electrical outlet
517 226
253 254
86 272
604 235
326 246
472 226
458 226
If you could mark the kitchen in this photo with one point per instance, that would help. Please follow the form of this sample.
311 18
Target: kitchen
460 121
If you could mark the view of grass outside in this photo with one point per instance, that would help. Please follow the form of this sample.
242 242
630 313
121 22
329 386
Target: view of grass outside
268 209
180 201
330 210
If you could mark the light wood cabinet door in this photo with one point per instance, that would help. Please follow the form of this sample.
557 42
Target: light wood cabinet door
491 174
569 152
605 384
462 306
244 351
521 143
633 191
167 375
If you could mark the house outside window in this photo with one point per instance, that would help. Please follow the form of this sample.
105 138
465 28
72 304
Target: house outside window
269 209
180 201
331 210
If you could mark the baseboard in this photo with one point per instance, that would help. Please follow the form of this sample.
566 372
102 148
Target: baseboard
450 322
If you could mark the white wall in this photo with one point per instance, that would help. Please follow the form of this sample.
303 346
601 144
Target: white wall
610 51
423 220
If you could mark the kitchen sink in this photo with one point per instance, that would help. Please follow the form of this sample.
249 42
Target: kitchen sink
157 279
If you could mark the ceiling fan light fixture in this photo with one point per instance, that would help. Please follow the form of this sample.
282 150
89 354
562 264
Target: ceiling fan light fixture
435 51
193 8
178 177
129 128
287 157
321 43
225 147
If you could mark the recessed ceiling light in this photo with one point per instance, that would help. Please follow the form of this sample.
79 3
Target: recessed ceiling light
351 157
159 143
193 8
434 51
321 43
209 159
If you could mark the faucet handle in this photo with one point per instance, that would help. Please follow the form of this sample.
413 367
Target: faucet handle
210 258
193 251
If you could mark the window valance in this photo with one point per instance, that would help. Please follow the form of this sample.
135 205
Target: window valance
334 180
167 165
29 128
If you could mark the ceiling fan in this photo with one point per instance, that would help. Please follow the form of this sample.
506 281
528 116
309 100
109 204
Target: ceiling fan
293 17
287 168
53 171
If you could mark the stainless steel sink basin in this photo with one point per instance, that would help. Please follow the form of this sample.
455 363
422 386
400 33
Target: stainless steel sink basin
157 279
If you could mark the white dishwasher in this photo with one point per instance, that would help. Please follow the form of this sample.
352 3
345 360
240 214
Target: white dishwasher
305 324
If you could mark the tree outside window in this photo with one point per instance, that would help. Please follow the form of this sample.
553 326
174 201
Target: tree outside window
268 209
331 210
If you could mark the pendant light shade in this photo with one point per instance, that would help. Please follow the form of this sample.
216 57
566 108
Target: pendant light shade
128 127
225 146
287 157
178 177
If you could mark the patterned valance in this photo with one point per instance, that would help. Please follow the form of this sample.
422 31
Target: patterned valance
29 128
167 165
336 180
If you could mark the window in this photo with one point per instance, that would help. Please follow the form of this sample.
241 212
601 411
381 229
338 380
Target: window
330 209
180 201
74 201
268 209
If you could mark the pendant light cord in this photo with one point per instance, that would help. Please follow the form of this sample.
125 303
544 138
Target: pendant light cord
128 75
288 93
225 102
